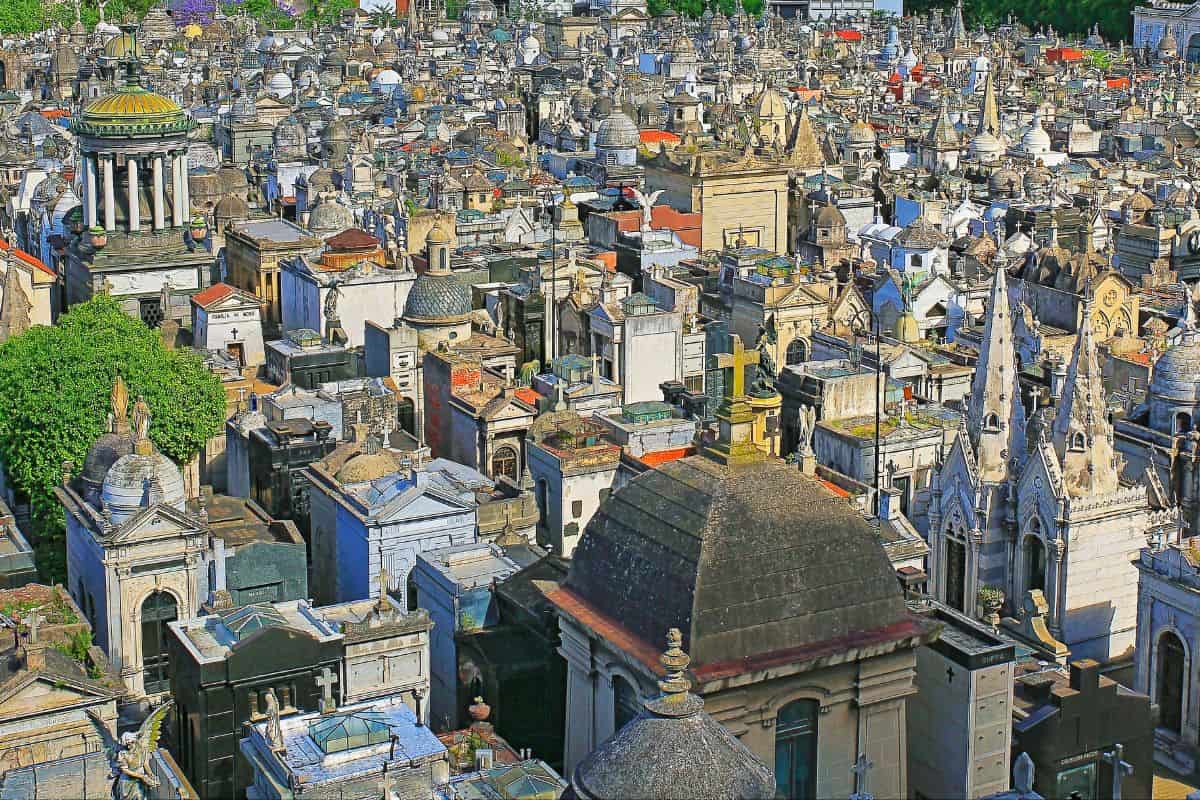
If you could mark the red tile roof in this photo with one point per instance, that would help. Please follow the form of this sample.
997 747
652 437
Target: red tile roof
26 258
655 136
213 294
849 35
352 239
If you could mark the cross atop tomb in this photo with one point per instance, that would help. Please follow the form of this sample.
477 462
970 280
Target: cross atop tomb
734 364
325 682
34 620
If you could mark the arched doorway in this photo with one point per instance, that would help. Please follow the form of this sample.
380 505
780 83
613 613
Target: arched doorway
504 462
1035 564
626 703
157 610
1171 672
956 570
406 415
796 750
797 352
1193 49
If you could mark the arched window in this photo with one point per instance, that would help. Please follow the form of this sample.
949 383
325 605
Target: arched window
1035 564
991 422
1171 675
626 703
1078 442
797 352
796 750
504 462
157 610
410 591
956 569
406 415
1183 422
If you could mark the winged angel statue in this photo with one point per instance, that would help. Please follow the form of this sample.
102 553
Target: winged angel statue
131 755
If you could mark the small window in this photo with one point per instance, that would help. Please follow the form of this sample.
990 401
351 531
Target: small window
1079 442
576 508
991 422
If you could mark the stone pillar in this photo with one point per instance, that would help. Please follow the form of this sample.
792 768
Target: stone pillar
160 221
1057 551
974 546
184 191
135 211
90 207
176 193
110 194
1143 662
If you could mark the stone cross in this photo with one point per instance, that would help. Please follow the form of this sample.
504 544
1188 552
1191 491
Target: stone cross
326 681
734 364
860 769
34 619
1120 768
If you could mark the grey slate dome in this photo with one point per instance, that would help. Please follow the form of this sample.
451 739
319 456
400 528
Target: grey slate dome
437 297
140 480
330 218
1176 376
617 132
672 749
682 543
103 453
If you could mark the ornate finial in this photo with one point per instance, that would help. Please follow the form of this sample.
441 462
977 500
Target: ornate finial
676 662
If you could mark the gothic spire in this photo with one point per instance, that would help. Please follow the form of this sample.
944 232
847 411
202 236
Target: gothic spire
989 118
995 413
1081 434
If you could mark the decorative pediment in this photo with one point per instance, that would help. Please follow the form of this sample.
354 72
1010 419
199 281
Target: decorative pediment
36 692
421 503
161 521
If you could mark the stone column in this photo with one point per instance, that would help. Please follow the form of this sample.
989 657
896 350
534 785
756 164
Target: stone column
110 194
186 206
974 546
176 193
89 191
1057 551
1145 624
135 211
160 221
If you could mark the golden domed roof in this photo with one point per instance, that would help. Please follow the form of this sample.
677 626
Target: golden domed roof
437 235
132 110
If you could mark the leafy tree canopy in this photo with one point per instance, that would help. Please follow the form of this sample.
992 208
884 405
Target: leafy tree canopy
1066 16
54 403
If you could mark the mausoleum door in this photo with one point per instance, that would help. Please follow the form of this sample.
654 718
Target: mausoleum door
1171 677
157 610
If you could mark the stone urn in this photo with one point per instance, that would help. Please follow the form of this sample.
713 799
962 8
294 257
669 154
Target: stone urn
990 600
479 710
199 229
98 236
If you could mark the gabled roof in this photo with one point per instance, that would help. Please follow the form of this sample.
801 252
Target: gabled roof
219 293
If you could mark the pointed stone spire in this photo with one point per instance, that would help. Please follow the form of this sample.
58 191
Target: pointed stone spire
995 414
804 150
1081 435
989 118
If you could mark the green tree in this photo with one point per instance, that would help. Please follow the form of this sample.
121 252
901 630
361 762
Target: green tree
54 399
328 12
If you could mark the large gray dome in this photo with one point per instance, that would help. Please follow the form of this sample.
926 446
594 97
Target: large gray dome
1175 385
617 132
437 297
330 218
137 481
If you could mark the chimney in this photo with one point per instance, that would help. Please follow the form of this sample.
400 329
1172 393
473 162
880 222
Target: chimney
1085 675
35 655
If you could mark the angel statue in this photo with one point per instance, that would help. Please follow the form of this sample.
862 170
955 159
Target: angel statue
647 202
808 423
141 419
134 776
